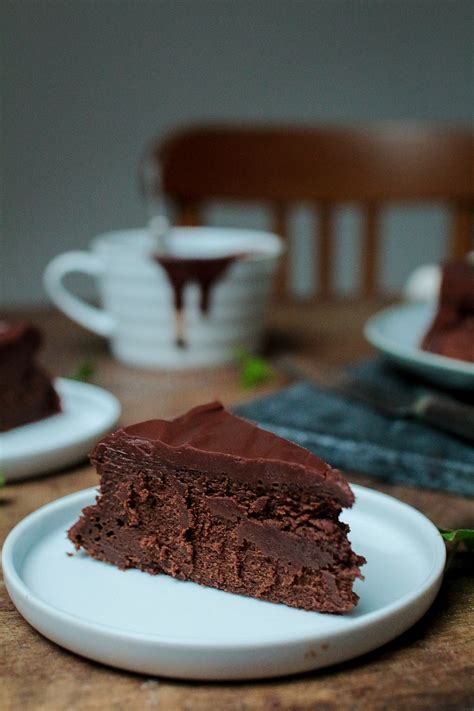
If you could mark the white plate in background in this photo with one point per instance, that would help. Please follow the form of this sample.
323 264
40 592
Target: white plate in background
161 626
88 412
397 333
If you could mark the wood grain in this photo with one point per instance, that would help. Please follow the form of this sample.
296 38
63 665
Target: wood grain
462 230
370 250
325 252
280 227
429 667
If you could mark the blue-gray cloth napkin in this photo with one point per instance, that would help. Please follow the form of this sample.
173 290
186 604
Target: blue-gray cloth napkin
352 436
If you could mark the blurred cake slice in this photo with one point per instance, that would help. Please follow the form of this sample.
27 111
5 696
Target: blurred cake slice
26 391
452 331
210 497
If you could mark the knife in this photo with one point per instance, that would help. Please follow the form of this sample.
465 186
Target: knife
440 411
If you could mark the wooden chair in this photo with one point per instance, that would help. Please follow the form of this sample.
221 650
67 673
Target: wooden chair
325 166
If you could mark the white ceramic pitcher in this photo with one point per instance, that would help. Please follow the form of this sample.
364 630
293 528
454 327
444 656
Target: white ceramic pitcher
137 309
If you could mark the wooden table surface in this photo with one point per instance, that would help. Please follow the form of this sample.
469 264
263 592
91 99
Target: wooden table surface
428 667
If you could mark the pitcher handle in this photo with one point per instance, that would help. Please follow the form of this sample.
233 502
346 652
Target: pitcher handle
91 317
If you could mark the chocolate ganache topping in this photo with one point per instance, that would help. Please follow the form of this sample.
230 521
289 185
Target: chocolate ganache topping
211 438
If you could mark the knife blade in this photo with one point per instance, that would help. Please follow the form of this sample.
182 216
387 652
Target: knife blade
440 411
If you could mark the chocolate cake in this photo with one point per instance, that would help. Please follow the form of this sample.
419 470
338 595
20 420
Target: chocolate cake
452 331
26 391
210 497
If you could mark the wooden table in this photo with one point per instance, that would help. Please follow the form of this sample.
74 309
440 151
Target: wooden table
429 667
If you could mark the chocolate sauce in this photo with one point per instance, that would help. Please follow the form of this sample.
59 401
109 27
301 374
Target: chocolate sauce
184 270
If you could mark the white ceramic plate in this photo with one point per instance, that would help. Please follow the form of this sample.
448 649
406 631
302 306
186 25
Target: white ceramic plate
58 441
158 625
397 332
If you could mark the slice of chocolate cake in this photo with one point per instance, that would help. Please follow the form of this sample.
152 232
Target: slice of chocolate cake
26 391
211 498
452 331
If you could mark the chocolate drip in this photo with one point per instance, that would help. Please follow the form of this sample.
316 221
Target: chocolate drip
183 270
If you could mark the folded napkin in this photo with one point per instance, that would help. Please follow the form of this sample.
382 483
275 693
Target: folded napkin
351 436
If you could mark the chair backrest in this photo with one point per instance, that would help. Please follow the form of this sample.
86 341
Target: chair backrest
326 166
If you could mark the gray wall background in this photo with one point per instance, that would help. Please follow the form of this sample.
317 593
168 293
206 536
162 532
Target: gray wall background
86 84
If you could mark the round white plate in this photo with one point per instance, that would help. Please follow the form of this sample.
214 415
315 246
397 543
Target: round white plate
398 331
158 625
58 441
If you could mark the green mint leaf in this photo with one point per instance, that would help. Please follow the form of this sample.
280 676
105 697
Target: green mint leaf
2 480
254 369
84 370
466 535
